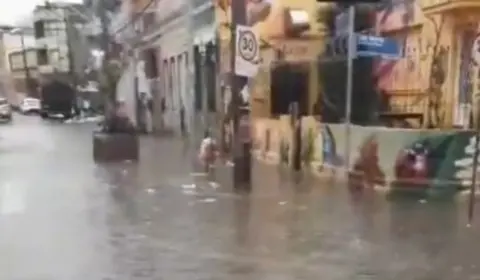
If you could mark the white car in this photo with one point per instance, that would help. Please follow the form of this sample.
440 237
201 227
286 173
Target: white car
30 105
5 110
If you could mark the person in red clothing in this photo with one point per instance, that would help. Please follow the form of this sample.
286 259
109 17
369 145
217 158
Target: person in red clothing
208 152
411 166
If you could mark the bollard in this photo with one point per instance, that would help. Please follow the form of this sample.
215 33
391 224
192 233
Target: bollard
297 137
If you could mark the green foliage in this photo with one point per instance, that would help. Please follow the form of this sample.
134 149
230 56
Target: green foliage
308 151
284 151
109 76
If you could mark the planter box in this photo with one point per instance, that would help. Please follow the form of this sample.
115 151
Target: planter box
115 147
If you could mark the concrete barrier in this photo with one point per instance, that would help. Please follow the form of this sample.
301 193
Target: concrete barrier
438 161
115 147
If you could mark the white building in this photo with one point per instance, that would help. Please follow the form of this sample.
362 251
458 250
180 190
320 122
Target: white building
13 67
162 40
12 42
178 25
57 32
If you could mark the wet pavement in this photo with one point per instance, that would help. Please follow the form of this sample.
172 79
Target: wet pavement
62 217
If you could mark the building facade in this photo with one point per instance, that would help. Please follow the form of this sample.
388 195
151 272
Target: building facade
438 76
61 46
163 53
14 70
205 58
291 39
173 42
6 83
18 69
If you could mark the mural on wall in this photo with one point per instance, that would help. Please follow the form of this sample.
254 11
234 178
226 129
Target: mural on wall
391 18
366 170
433 162
425 61
326 148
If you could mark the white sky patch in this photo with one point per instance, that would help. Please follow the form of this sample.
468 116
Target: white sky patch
17 11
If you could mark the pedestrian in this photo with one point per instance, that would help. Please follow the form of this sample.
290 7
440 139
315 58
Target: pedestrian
183 127
208 153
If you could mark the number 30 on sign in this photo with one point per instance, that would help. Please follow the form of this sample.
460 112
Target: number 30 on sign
247 52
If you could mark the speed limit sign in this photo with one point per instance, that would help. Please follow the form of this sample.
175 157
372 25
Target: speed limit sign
247 51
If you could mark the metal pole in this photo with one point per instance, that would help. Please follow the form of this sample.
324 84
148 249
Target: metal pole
71 61
241 150
297 135
471 200
25 63
351 52
189 101
138 112
190 63
205 93
104 43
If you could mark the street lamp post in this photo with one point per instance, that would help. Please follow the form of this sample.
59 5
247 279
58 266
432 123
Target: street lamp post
20 32
203 54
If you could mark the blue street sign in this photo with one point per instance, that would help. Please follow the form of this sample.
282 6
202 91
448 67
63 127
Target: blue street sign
371 46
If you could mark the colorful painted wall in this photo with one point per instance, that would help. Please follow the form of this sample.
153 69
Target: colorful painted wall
431 161
435 75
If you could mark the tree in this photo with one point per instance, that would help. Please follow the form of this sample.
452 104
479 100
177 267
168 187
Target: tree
436 74
108 78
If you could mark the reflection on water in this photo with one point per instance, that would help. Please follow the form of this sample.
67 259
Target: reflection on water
289 231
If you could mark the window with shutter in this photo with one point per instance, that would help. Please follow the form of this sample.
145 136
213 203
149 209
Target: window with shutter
148 21
151 69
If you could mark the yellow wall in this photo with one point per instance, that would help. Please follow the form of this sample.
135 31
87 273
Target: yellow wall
412 73
306 48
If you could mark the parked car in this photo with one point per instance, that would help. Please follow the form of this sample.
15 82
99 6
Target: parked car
30 105
5 110
16 100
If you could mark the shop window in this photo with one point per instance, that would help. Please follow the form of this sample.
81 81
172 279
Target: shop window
150 58
39 27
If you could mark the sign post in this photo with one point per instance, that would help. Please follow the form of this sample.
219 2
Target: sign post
360 45
247 53
243 52
351 54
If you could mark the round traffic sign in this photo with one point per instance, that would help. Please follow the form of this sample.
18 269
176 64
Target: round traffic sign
247 45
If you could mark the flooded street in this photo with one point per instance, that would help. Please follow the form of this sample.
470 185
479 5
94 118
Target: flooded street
62 217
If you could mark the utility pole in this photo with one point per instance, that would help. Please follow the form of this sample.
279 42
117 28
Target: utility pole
28 81
351 52
242 179
203 85
190 63
70 55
